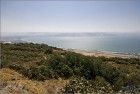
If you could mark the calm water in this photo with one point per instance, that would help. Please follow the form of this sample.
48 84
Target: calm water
102 43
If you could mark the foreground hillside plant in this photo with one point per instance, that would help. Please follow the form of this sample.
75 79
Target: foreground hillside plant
78 85
87 74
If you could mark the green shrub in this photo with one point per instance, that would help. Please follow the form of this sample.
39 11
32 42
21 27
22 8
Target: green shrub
109 72
66 71
3 63
40 73
101 86
78 85
129 83
121 74
48 50
88 71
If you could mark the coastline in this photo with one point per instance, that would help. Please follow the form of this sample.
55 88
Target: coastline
107 54
96 53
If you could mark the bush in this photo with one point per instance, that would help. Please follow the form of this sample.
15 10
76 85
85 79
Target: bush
78 85
66 71
101 86
88 71
128 84
122 74
3 63
17 67
109 72
40 73
48 50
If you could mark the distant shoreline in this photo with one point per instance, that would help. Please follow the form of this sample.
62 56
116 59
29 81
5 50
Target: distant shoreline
95 53
107 54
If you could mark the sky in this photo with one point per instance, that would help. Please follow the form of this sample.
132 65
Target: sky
69 16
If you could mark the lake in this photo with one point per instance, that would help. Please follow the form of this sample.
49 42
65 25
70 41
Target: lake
126 44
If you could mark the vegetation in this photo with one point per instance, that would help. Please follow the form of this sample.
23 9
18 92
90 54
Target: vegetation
14 83
86 74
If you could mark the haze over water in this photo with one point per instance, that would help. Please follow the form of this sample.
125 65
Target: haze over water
125 44
52 16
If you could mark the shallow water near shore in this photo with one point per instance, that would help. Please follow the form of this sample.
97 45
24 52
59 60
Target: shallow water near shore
102 43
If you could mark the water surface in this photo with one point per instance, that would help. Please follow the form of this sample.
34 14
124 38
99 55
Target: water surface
103 43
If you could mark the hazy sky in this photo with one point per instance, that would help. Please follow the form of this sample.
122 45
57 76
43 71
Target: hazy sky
70 16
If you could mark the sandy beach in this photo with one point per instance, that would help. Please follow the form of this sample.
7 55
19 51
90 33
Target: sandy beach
107 54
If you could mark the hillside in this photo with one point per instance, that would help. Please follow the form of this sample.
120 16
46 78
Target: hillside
12 82
39 69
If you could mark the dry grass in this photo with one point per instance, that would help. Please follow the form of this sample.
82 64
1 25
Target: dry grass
14 83
9 75
54 86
